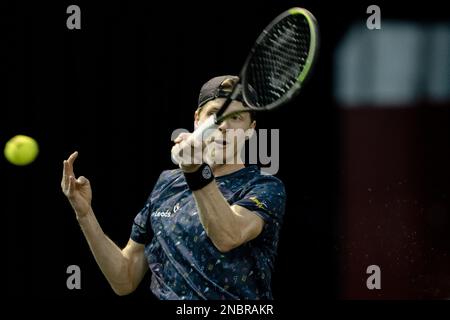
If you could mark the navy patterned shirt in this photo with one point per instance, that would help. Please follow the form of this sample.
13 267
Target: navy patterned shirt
184 262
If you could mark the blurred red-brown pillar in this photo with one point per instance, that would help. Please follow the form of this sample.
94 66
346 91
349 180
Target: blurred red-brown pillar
394 191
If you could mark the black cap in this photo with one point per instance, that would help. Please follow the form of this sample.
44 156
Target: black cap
213 89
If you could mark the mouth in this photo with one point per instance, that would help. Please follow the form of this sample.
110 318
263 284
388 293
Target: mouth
221 142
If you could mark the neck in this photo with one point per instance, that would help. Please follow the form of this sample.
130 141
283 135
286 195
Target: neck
223 169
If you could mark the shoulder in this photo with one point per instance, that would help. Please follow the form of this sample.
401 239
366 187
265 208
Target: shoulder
167 177
170 175
266 181
263 194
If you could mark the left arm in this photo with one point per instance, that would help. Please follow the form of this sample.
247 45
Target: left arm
227 226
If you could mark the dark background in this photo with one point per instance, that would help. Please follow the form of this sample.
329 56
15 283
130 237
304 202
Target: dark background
116 89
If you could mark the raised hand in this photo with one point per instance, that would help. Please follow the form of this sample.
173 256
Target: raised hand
78 191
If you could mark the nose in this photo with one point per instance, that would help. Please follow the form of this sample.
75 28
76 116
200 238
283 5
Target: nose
223 126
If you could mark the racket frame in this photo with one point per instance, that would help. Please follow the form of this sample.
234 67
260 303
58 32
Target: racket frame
214 121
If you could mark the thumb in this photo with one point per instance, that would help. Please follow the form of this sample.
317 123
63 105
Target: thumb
82 180
182 136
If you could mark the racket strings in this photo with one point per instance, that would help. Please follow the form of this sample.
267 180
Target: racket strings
279 59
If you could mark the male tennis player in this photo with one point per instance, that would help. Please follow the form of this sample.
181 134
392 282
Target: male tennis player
206 231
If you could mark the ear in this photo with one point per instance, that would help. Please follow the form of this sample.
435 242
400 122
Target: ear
250 131
196 118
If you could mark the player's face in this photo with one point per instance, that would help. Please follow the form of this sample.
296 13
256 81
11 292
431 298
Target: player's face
239 121
229 139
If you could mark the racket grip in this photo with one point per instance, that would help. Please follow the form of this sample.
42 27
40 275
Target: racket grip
205 130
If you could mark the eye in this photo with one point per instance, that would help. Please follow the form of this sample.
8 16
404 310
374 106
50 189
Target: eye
237 117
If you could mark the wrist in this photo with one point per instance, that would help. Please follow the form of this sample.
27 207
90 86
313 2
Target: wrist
189 168
199 178
83 217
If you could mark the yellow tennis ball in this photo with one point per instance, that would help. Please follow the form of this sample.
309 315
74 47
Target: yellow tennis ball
21 150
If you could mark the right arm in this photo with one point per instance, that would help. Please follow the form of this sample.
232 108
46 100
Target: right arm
124 269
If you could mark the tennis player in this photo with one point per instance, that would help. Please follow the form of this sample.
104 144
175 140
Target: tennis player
208 230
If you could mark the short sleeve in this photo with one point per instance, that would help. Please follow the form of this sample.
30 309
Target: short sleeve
140 229
266 197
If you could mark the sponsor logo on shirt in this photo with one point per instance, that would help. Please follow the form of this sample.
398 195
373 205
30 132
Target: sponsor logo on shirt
258 203
166 213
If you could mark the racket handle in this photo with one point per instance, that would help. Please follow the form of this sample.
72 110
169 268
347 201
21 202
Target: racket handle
205 130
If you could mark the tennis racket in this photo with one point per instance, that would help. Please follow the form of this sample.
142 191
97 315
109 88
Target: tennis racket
278 65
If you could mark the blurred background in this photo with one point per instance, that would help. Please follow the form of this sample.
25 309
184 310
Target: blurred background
364 149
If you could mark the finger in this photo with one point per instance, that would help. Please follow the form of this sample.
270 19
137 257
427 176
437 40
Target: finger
176 149
73 155
70 162
195 143
72 158
65 176
182 136
176 153
68 171
71 186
